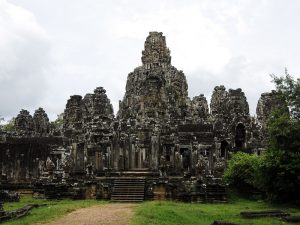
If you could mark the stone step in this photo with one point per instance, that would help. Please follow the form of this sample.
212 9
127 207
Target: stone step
130 183
126 200
142 173
129 186
128 179
128 190
126 194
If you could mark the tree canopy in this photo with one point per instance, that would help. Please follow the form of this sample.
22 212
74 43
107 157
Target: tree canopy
281 164
9 126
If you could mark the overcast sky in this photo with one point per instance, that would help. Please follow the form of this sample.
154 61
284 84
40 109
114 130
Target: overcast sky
51 49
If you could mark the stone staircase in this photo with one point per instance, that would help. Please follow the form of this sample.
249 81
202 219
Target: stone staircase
128 189
216 193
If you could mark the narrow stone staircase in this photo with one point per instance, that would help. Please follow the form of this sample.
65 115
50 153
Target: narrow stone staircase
128 190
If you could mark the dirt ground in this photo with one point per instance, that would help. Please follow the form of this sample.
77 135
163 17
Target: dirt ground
110 214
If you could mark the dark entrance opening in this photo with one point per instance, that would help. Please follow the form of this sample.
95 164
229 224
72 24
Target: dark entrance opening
168 153
182 150
224 146
186 157
258 152
136 161
168 158
240 136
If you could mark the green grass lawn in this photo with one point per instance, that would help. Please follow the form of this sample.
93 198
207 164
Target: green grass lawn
155 212
52 210
164 213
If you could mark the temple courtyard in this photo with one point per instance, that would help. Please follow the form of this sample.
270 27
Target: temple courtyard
92 212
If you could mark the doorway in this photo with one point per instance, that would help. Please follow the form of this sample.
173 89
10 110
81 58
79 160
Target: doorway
240 136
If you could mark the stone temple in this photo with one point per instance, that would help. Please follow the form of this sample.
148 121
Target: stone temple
161 143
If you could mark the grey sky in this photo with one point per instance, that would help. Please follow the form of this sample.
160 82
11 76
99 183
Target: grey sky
52 49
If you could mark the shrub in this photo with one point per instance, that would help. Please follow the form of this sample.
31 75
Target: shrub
243 171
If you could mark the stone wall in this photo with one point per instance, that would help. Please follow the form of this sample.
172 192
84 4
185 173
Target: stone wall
21 159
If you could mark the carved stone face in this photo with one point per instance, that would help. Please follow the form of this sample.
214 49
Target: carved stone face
156 51
152 85
155 57
176 85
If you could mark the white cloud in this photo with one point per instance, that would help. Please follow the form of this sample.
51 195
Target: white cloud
189 33
237 43
24 51
252 76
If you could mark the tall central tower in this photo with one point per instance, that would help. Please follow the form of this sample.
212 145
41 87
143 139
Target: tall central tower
156 52
156 100
155 91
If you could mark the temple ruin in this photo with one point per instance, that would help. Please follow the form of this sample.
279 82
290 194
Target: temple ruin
160 142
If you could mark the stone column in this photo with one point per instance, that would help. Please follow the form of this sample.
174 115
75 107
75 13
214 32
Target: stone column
133 156
154 152
139 157
172 156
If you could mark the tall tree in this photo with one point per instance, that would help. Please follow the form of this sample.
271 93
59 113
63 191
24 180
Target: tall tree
288 89
1 121
10 125
281 166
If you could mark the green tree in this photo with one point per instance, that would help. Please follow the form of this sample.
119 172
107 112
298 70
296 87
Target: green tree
288 89
58 123
9 126
281 165
242 171
1 121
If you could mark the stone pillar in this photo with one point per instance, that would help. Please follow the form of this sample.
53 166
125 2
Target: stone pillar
109 158
154 152
117 152
78 156
139 157
74 154
98 161
126 159
172 156
131 154
211 154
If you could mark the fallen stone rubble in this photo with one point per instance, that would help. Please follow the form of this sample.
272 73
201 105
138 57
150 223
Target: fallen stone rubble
266 213
9 196
16 214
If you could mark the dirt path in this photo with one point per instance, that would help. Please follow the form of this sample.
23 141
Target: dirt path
110 214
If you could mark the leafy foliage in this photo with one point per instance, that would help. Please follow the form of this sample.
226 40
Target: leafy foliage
288 89
277 172
1 125
58 123
10 126
281 166
242 170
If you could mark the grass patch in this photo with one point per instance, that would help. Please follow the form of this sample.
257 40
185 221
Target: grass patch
155 212
165 213
54 209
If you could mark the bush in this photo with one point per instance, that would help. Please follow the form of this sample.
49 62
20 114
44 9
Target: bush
281 164
9 126
243 171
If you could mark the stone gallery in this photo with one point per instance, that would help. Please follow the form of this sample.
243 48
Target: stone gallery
161 144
